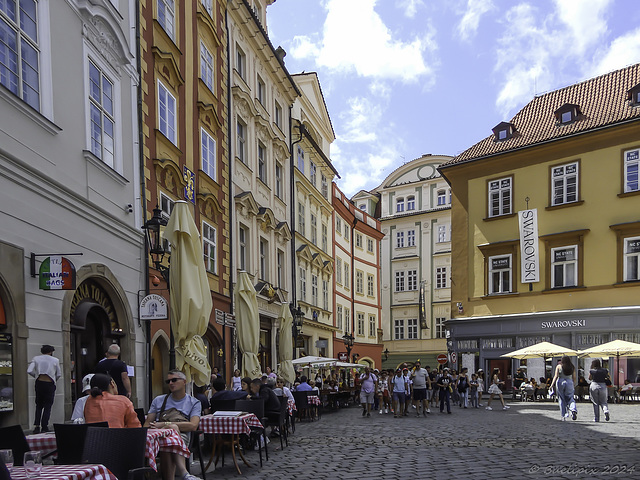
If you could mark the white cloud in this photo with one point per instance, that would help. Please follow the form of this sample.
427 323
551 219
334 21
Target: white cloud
470 21
360 120
623 51
356 39
585 21
410 7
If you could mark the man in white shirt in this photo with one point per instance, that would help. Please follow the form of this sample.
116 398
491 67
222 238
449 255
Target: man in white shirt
45 369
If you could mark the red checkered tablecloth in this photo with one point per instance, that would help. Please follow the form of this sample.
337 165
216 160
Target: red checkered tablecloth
228 425
44 442
313 400
164 440
291 407
67 472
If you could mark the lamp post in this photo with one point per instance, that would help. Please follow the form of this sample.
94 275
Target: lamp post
348 343
154 241
386 354
296 326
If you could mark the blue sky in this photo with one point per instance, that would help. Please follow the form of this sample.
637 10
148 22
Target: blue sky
406 77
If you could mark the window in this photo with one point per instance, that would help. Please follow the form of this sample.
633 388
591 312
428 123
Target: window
325 295
500 197
241 62
442 233
325 186
346 232
314 289
209 247
440 331
19 62
359 282
261 90
167 113
206 66
303 284
166 206
370 245
412 280
258 11
339 271
347 278
370 290
264 259
278 116
400 205
339 317
399 281
564 266
208 154
166 16
360 323
347 319
241 134
372 326
208 6
262 163
314 229
566 117
363 207
500 274
339 225
300 159
631 158
301 226
325 238
102 116
398 327
399 239
411 238
441 277
411 202
312 173
441 197
412 328
280 266
279 180
243 236
358 240
631 257
564 183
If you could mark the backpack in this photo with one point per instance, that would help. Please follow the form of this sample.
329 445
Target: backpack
463 385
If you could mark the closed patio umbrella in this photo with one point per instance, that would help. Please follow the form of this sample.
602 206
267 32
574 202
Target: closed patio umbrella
615 348
248 325
285 352
190 295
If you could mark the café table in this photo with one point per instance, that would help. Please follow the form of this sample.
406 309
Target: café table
67 472
44 442
234 425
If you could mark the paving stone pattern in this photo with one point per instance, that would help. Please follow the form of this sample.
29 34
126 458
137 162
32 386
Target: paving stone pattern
526 442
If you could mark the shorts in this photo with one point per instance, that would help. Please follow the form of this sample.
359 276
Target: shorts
429 394
367 397
398 396
419 393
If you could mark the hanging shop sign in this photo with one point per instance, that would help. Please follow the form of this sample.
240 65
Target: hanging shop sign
57 273
529 248
153 307
422 308
190 182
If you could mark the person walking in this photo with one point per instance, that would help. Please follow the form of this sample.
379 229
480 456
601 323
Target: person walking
473 390
421 380
368 384
45 368
598 390
398 391
563 383
463 387
115 368
481 389
494 389
383 392
444 384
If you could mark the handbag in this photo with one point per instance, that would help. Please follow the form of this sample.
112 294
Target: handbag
171 415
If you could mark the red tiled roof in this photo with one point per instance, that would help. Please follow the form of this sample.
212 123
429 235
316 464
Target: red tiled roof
602 100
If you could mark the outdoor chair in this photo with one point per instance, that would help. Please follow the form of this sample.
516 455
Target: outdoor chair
4 472
70 439
222 405
259 435
281 422
302 405
121 450
141 416
13 437
194 447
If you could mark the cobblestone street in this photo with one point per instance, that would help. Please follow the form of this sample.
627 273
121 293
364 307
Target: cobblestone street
526 442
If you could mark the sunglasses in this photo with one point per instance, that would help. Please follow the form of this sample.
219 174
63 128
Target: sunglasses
171 380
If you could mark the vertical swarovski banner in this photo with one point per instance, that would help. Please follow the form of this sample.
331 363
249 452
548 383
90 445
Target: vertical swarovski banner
529 249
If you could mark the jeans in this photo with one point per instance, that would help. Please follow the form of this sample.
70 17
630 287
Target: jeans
474 397
445 397
565 390
464 398
598 395
45 394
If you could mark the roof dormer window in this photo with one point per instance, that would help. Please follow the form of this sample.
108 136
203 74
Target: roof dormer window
633 96
503 131
567 113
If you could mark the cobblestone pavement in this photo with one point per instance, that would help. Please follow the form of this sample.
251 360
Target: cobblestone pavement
527 441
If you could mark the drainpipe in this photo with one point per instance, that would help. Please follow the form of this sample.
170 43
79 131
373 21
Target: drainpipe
353 274
231 203
293 299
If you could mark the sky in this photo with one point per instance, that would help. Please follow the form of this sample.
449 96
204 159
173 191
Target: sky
403 78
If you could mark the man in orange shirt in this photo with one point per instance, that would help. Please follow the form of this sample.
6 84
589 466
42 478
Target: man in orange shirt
105 405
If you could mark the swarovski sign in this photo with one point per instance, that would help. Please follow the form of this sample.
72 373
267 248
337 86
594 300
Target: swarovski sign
529 249
564 324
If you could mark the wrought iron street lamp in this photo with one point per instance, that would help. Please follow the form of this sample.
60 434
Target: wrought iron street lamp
386 354
296 326
348 342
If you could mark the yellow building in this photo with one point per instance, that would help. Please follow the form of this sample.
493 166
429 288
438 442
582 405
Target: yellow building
568 164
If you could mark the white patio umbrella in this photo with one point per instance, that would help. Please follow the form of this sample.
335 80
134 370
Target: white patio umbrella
310 360
615 348
541 350
285 352
247 325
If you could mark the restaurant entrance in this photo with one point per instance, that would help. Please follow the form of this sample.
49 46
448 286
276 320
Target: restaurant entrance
505 372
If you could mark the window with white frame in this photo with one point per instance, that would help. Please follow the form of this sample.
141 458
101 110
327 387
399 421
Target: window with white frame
370 245
300 159
347 278
411 202
441 277
399 239
564 184
347 237
339 225
167 113
412 279
278 116
19 50
359 240
500 274
314 289
631 159
208 154
363 207
440 330
359 282
500 193
360 323
347 319
166 207
339 317
303 284
339 271
209 247
278 180
325 238
370 286
206 66
264 259
280 267
324 186
441 197
325 295
314 229
400 205
411 238
262 90
243 250
262 163
101 103
442 233
241 140
412 328
241 62
372 326
312 173
398 329
400 282
564 266
301 225
166 17
631 259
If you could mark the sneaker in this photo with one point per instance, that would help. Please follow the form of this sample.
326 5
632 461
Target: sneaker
574 415
380 412
364 412
413 406
188 476
488 408
564 418
480 405
386 410
606 416
505 408
36 430
428 410
368 415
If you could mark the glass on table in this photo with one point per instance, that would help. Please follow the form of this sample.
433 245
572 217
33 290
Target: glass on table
7 457
32 464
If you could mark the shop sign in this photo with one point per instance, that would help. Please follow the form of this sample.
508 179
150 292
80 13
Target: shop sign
342 356
564 324
422 306
57 273
529 248
190 182
153 307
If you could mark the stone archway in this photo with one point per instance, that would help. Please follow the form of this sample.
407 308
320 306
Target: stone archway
159 362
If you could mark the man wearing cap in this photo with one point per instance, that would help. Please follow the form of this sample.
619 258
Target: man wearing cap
421 380
368 384
78 410
45 368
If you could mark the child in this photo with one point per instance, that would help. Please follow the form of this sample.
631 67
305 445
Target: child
474 390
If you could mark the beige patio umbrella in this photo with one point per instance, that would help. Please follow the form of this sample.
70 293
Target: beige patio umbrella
190 295
615 348
247 325
285 352
541 350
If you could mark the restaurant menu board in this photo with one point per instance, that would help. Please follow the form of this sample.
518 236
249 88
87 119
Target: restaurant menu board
6 373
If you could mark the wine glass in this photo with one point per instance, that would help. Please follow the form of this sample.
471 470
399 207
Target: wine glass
7 457
33 464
